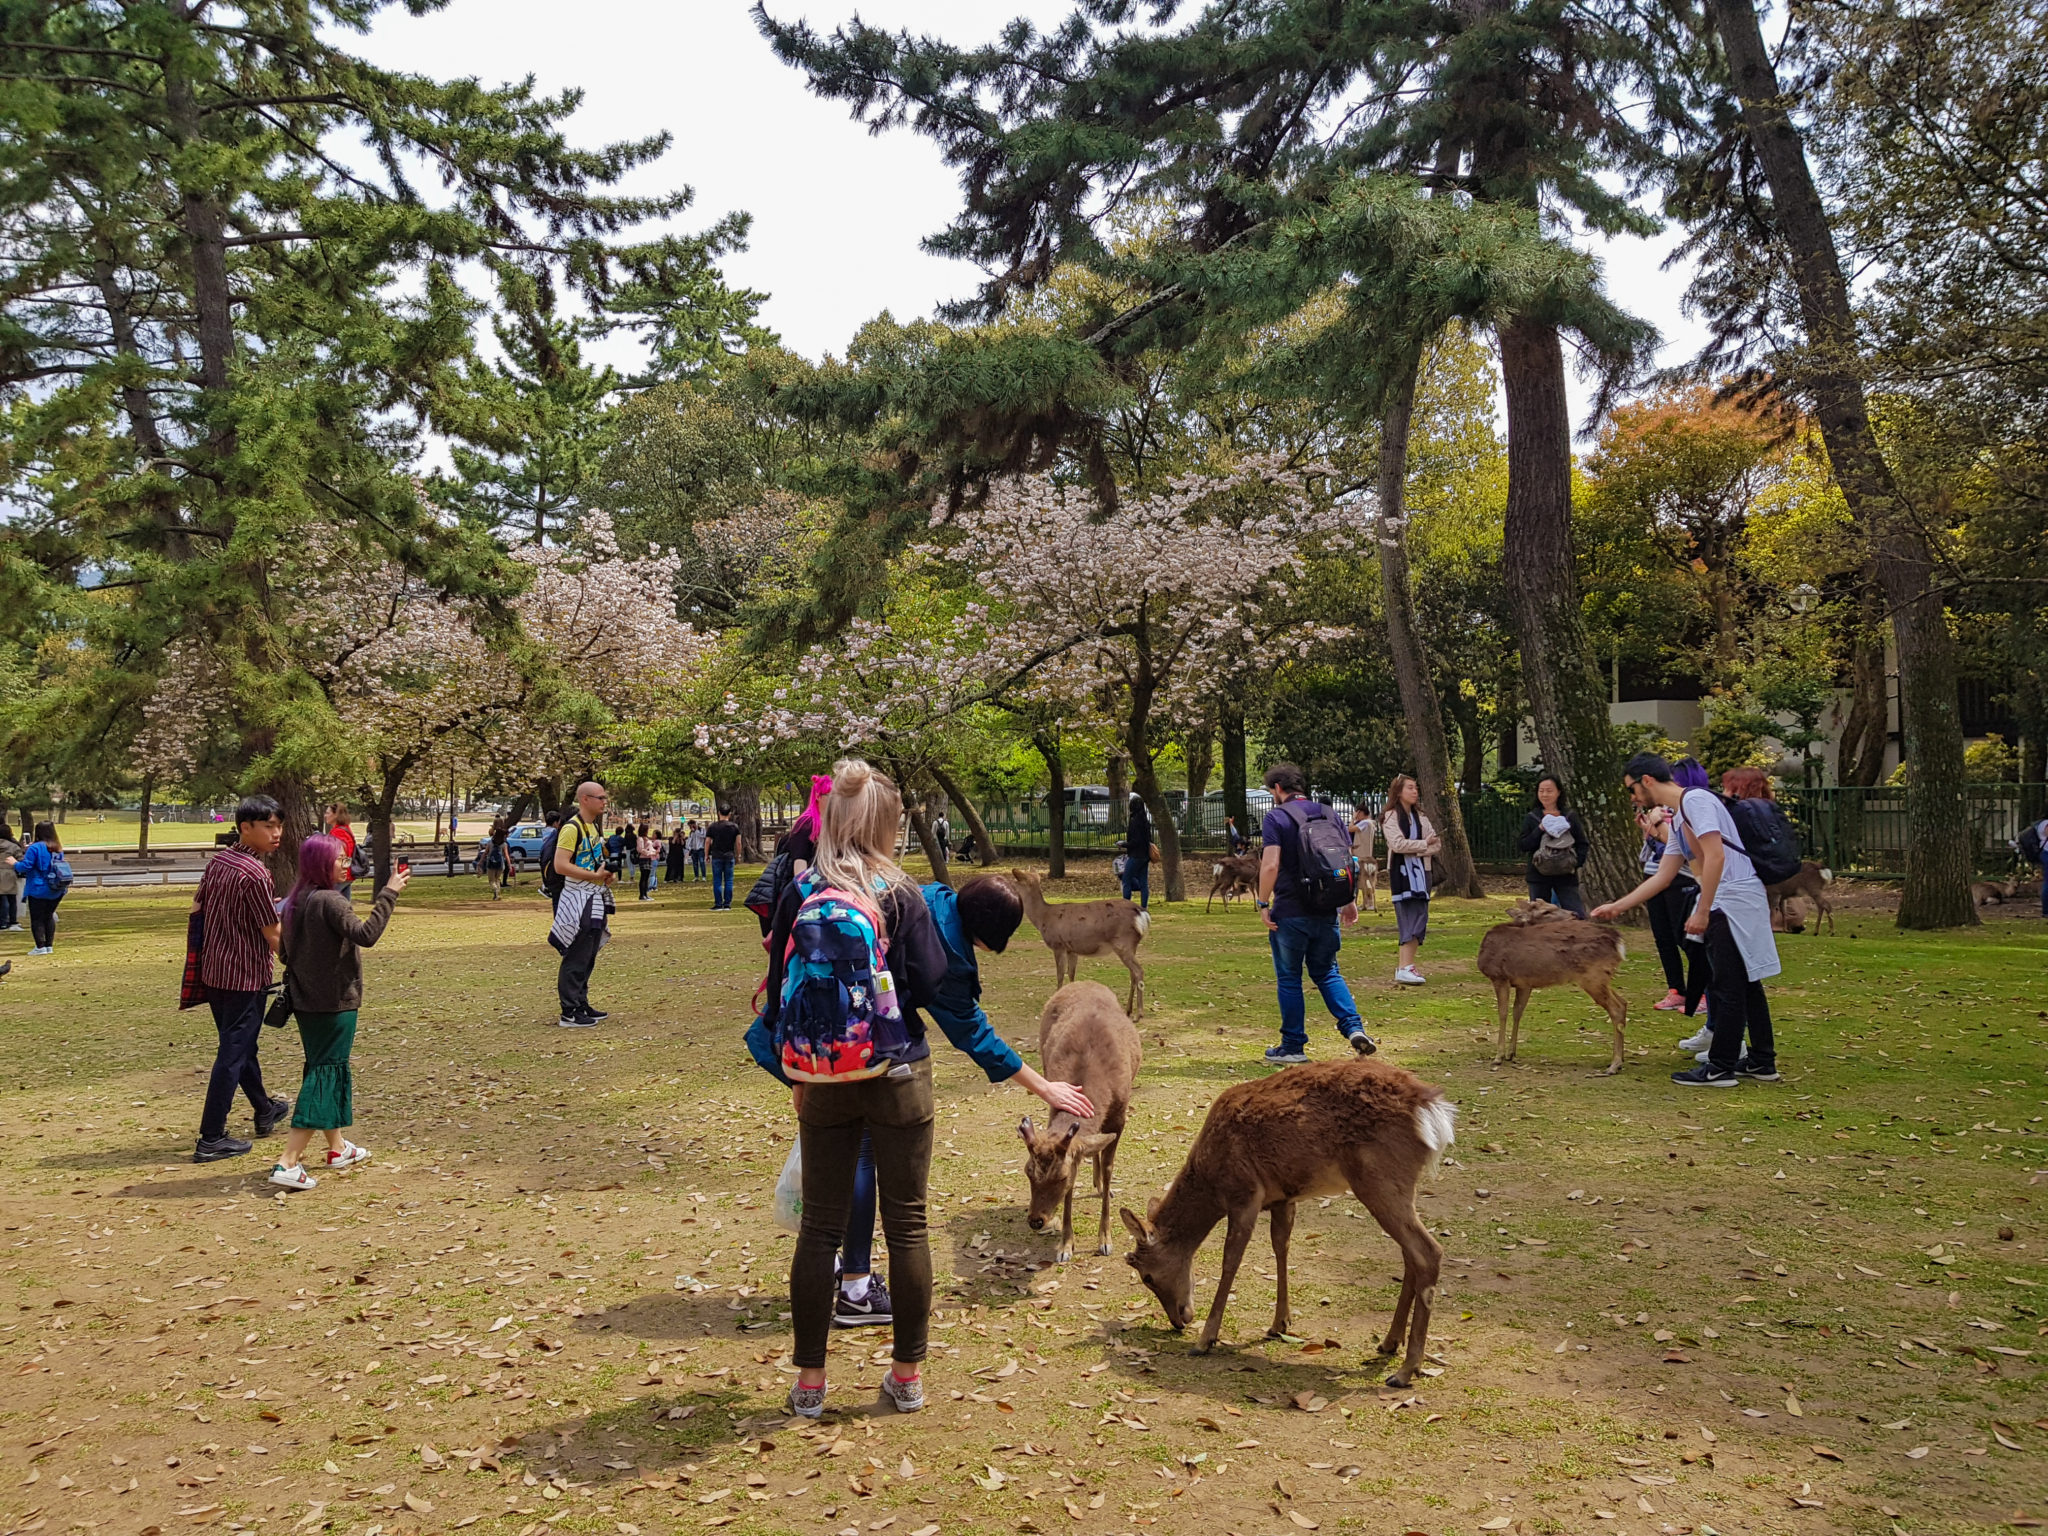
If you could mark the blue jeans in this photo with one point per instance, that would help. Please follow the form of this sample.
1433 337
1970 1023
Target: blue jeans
1315 942
857 1248
697 864
721 881
2044 882
1138 877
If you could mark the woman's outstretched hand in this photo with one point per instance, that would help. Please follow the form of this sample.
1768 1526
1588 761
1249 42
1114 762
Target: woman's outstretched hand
1065 1096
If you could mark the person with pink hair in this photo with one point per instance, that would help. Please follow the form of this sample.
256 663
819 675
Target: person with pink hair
798 847
322 940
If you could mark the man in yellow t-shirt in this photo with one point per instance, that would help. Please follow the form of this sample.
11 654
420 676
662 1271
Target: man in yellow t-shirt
579 856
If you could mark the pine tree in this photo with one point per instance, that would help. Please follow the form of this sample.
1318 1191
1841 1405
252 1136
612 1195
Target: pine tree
1509 107
224 327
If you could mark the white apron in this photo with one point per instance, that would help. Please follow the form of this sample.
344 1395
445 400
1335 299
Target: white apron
1746 905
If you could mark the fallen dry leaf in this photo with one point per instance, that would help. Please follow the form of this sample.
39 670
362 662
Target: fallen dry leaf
418 1505
1302 1520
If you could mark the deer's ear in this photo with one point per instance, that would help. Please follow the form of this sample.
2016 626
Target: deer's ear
1141 1230
1152 1209
1024 1129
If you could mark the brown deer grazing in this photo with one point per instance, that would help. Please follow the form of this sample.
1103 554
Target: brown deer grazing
1237 874
1072 929
1545 946
1317 1129
1810 884
1085 1039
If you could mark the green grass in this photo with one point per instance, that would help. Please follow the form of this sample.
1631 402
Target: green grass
562 1181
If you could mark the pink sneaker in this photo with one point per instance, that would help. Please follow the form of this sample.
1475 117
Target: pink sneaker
1672 1001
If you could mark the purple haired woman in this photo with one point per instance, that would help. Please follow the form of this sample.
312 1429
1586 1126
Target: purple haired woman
322 941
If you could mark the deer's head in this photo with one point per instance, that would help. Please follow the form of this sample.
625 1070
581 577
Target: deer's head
1168 1274
1050 1163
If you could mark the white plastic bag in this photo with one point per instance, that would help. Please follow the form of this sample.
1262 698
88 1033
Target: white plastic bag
789 1191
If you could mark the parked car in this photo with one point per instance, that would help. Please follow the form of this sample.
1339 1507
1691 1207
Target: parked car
523 843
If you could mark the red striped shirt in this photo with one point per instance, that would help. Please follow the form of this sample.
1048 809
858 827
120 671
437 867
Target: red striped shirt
238 901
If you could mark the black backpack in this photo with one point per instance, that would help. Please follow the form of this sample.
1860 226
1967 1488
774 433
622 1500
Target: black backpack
551 881
2029 844
1767 837
1329 874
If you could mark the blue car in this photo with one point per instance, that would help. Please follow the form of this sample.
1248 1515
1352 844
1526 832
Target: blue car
523 842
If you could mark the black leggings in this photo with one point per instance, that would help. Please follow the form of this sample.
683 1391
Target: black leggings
8 906
1686 965
896 1115
42 920
1737 1004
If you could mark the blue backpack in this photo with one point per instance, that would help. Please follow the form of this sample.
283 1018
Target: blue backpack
839 1021
57 875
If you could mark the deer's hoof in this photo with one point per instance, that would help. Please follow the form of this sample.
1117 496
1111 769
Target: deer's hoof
1399 1379
1388 1347
1104 1248
1608 1071
1064 1256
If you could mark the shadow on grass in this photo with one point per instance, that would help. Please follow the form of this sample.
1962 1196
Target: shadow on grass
617 1445
247 1181
679 1315
125 1158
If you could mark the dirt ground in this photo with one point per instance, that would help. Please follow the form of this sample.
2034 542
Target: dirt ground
556 1300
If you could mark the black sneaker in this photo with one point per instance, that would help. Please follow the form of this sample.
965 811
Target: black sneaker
220 1148
1706 1075
1280 1056
1755 1073
594 1015
280 1111
1361 1042
871 1308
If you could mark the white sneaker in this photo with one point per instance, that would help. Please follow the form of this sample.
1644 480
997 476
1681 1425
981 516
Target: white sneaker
292 1178
1408 976
349 1155
1697 1042
43 950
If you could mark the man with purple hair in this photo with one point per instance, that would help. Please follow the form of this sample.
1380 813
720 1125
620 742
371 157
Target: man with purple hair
237 904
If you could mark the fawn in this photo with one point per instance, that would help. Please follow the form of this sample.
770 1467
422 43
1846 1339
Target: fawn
1545 946
1084 1038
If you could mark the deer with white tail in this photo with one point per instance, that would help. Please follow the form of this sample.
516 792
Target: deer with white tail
1072 929
1319 1129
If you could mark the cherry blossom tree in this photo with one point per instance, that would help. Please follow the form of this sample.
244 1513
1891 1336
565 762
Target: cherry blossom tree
1146 610
412 677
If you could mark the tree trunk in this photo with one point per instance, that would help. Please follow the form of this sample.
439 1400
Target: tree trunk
1138 740
1860 757
745 801
1048 743
984 845
1566 697
380 828
548 794
1473 776
1235 805
1937 887
928 840
142 821
1419 705
301 818
1199 748
1119 791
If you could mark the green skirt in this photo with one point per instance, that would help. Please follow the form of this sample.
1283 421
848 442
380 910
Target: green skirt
326 1094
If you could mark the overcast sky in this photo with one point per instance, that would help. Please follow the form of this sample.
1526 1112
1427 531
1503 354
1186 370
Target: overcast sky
838 214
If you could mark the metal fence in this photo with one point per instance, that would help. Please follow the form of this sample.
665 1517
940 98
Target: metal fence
1852 831
1856 831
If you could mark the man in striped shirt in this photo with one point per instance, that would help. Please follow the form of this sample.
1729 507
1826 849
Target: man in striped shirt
238 904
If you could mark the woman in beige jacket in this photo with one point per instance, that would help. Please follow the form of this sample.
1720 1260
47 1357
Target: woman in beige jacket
10 882
1411 845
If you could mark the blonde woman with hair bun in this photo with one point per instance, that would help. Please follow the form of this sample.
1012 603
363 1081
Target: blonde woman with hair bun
930 937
